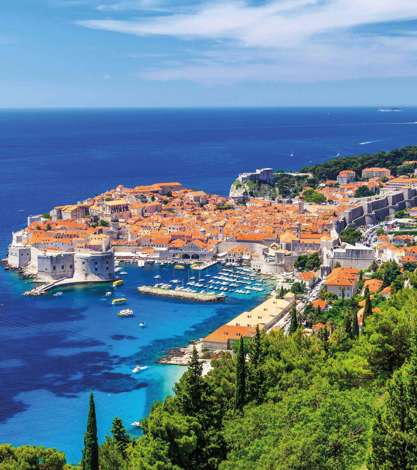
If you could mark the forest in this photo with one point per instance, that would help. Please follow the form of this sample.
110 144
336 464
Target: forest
394 160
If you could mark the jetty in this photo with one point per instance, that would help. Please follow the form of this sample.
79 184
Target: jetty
181 294
44 288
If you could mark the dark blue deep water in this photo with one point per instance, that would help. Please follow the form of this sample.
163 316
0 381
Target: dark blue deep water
54 350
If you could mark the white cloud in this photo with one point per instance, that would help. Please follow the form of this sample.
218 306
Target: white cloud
281 39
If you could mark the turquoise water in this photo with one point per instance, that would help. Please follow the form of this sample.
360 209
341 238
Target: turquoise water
60 348
54 350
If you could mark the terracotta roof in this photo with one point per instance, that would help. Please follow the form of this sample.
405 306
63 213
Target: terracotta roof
343 277
230 332
320 303
374 285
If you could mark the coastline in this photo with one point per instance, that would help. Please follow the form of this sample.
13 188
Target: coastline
63 319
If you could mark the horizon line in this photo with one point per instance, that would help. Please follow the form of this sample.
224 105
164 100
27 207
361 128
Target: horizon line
204 107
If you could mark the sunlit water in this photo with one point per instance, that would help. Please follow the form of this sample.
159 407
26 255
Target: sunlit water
54 350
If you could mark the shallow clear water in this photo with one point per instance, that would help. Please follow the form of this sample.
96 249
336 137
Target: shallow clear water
54 350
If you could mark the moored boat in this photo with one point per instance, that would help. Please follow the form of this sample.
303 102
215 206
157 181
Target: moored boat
127 312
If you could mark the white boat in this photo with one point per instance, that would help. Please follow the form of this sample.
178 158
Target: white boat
108 293
157 276
142 324
57 294
117 270
123 273
138 368
136 424
126 312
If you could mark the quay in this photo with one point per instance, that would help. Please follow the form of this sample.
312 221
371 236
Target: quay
181 294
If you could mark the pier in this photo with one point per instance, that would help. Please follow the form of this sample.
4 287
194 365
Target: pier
181 294
44 288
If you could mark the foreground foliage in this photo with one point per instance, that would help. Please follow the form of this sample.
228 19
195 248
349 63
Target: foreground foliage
345 398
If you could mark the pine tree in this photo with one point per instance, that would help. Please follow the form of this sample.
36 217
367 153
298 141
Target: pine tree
120 435
394 438
240 396
293 322
90 452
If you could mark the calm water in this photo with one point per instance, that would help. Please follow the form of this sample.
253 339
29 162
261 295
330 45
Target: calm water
54 350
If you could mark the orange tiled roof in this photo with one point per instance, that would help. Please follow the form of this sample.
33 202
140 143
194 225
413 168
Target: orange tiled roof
374 285
230 332
343 277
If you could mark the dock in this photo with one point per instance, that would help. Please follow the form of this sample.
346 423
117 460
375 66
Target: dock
203 266
181 294
43 289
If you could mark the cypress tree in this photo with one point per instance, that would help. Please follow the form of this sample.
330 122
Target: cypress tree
90 452
394 438
367 310
191 387
255 351
120 435
255 376
294 321
240 396
355 325
348 324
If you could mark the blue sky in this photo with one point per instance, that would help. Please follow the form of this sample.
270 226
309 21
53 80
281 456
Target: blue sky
207 53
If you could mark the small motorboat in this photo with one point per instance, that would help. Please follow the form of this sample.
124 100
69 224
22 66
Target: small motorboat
118 282
179 266
142 324
138 368
136 424
123 273
108 293
119 300
58 294
127 312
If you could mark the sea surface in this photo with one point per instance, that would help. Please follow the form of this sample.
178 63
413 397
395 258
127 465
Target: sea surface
54 350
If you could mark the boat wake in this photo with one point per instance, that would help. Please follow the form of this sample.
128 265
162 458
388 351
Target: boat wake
367 142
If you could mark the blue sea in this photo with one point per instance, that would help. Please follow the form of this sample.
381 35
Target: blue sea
54 350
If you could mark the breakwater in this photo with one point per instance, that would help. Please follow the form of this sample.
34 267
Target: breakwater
181 294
